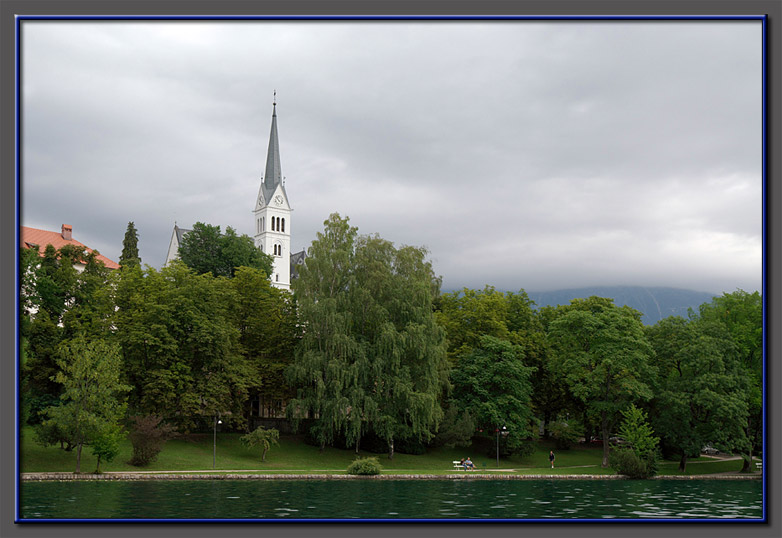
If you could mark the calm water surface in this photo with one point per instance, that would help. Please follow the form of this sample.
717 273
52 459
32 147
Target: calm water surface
392 499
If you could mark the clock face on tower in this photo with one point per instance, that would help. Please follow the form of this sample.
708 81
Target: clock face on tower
260 199
278 199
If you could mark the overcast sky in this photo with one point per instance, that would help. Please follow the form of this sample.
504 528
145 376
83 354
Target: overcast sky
535 155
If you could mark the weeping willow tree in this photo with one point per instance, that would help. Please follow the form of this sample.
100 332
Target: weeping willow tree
371 357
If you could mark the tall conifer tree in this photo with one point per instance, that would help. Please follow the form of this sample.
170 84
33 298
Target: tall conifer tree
129 254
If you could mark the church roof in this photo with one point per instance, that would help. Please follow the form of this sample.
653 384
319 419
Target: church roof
180 233
273 174
297 258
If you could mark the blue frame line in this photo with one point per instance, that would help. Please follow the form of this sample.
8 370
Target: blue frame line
388 18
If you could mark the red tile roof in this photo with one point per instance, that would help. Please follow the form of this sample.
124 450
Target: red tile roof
31 237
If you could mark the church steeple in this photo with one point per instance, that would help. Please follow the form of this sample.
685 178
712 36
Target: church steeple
273 213
273 175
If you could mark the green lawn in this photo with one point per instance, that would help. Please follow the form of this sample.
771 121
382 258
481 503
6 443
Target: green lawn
194 453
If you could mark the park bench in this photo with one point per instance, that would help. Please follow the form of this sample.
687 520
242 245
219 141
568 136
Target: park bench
759 466
458 466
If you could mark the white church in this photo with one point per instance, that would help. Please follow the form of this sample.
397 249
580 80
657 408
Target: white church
272 218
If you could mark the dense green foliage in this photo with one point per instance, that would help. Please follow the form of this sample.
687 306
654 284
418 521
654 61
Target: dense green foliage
205 250
372 355
626 462
493 385
603 355
92 400
180 346
639 458
364 466
702 390
366 349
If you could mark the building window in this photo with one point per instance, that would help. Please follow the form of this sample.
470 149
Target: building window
277 278
283 225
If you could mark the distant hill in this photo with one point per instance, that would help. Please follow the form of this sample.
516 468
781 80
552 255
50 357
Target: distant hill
654 303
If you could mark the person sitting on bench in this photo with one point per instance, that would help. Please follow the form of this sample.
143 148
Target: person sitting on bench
468 464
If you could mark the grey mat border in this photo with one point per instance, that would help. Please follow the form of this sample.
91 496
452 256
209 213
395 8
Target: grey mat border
773 8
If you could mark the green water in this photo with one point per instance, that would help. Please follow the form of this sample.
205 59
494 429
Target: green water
392 499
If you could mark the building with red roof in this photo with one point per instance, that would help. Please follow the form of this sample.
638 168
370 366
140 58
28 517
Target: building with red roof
35 238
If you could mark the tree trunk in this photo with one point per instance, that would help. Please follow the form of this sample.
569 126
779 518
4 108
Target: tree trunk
604 428
391 448
358 444
683 463
97 467
747 467
78 458
263 456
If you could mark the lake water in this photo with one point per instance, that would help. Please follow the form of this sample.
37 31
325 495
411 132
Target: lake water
392 499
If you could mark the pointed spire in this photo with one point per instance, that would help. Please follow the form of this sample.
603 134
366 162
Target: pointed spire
273 175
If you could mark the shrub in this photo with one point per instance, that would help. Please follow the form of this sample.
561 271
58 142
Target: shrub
626 462
364 466
148 436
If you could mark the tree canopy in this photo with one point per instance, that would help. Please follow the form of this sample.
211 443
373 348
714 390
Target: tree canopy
371 355
93 397
206 250
602 353
701 396
492 383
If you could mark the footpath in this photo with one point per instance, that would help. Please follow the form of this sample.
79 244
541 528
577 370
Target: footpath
505 474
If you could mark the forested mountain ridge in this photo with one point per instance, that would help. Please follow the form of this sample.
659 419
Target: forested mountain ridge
655 303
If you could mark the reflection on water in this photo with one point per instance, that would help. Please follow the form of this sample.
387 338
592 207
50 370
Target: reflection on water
392 499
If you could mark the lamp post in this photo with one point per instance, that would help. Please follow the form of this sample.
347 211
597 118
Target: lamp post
214 445
504 433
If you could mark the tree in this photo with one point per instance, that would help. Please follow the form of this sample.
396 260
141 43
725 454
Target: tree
130 255
468 315
181 346
741 314
262 438
206 250
106 445
641 442
93 402
493 384
58 303
701 397
602 353
268 331
455 429
371 353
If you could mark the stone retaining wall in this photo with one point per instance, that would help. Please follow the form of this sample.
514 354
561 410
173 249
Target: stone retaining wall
244 476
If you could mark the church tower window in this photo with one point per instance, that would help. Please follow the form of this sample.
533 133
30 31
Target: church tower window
283 225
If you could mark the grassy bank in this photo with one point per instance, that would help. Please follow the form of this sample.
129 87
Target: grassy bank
195 453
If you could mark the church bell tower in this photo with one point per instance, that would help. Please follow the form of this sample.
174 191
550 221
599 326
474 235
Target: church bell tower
273 212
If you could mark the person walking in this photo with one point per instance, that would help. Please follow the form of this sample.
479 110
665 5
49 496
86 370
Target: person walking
551 458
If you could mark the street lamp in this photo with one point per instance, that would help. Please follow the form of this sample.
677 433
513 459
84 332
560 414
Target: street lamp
214 446
504 434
